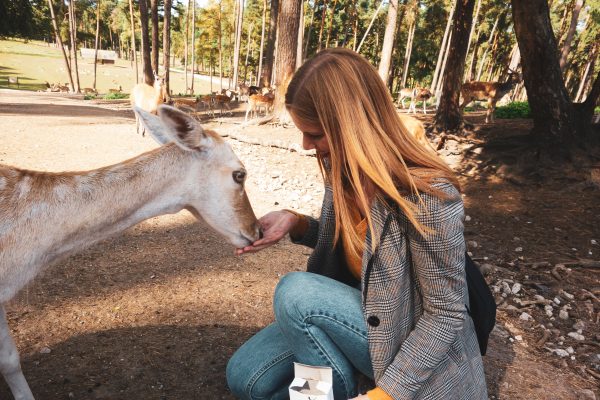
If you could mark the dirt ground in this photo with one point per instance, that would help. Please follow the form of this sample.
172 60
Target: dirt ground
156 312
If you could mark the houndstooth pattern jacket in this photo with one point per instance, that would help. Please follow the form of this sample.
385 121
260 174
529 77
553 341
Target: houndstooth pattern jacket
421 339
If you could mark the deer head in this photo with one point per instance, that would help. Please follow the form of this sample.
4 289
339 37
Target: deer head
214 185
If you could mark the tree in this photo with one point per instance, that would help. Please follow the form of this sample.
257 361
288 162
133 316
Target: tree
238 40
73 36
548 99
388 41
96 42
60 42
146 63
287 43
155 46
442 52
137 78
448 116
570 33
267 72
167 46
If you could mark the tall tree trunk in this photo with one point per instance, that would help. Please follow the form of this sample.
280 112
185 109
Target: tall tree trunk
331 22
60 42
167 47
438 88
566 48
73 30
448 116
185 46
137 78
388 41
287 43
220 47
474 25
409 44
155 45
441 54
587 72
238 41
269 61
487 48
299 59
262 41
370 25
310 27
147 65
323 15
550 105
193 44
250 42
96 42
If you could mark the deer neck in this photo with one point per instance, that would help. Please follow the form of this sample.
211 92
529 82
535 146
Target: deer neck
63 213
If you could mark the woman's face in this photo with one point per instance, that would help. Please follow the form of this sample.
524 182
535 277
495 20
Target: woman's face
313 137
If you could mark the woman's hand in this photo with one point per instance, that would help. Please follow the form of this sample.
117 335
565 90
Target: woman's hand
275 225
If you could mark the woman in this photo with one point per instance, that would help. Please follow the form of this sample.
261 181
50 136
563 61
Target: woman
384 293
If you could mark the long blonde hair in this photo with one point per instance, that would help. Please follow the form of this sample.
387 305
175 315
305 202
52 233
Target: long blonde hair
341 92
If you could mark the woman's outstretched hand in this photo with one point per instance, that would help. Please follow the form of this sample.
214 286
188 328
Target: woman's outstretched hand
275 225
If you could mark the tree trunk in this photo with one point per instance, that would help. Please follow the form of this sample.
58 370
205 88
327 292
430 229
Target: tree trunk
137 78
167 47
269 61
370 25
185 46
448 116
73 30
548 99
409 45
388 41
310 26
250 42
146 64
566 48
193 45
287 43
487 48
220 48
60 42
299 59
96 42
587 72
441 54
238 41
155 45
262 41
331 22
323 15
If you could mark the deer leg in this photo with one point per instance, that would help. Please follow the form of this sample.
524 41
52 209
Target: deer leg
489 109
10 365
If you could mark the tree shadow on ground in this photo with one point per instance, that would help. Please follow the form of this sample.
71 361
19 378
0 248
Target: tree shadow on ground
59 110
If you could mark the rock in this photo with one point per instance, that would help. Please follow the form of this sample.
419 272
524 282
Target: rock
516 288
519 249
579 325
563 314
467 218
525 317
45 350
560 352
472 243
487 269
549 310
594 242
576 336
586 394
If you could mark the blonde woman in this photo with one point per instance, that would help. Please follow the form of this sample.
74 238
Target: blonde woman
384 294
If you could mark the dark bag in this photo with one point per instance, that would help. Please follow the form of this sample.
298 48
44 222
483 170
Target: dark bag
482 306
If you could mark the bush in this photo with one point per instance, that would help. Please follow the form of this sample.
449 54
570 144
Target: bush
516 109
89 97
116 96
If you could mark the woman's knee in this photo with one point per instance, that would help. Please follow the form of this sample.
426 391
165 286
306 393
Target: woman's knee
292 295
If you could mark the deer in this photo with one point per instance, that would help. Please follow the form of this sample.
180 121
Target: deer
44 216
224 101
119 90
259 100
246 91
422 95
490 91
147 98
90 91
405 93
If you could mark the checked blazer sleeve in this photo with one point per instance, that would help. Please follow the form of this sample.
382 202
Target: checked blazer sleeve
438 266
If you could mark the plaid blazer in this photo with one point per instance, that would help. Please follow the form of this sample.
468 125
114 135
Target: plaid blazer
421 339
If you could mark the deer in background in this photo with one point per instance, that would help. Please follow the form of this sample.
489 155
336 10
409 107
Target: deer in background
224 101
148 98
490 91
419 94
119 90
46 216
257 101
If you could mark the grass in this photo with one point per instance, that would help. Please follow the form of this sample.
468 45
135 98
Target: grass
516 109
35 63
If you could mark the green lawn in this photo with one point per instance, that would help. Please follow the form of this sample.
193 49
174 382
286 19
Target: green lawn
35 63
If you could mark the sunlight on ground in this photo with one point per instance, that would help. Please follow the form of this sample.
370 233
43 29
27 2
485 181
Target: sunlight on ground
36 62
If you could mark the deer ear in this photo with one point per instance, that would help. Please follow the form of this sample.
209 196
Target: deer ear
183 129
153 125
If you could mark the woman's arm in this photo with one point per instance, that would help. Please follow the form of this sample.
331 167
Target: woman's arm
439 265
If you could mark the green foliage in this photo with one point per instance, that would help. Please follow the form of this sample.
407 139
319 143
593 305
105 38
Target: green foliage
16 18
516 109
116 96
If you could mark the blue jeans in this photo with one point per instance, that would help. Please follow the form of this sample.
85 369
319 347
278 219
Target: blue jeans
319 321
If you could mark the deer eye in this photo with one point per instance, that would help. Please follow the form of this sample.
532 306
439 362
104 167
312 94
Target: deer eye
239 176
